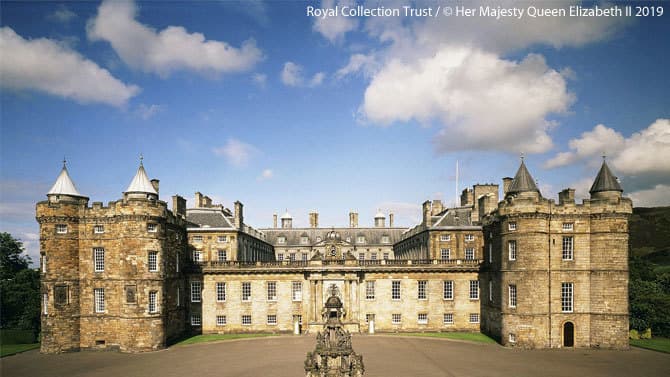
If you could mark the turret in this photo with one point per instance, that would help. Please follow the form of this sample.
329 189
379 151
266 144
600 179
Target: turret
605 185
287 220
64 190
523 186
141 187
380 220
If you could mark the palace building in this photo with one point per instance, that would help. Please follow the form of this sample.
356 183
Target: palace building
134 275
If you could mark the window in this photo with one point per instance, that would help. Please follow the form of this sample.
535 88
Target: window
99 259
178 296
445 237
60 294
297 318
246 319
469 253
490 253
445 254
361 256
448 290
512 295
568 226
197 256
370 290
196 291
220 291
99 296
422 318
61 228
131 294
43 263
280 257
153 305
223 255
98 229
176 261
474 317
246 291
448 318
386 239
469 237
568 243
152 228
196 319
511 226
291 257
474 289
490 290
272 291
221 320
511 249
45 303
369 317
386 256
421 289
512 338
296 290
304 240
396 318
197 238
304 257
395 290
373 256
222 239
153 261
281 240
272 319
360 239
566 297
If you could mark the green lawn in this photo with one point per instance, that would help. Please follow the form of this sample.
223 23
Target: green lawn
471 336
656 344
10 349
215 337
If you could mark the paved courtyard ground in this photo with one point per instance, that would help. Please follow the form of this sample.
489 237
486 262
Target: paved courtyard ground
386 356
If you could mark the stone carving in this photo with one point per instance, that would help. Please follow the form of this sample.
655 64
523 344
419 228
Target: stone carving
333 355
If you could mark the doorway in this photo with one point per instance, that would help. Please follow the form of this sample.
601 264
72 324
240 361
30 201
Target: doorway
568 334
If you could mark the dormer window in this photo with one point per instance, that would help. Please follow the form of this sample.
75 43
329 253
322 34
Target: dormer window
385 239
98 229
360 239
61 228
304 240
152 228
281 240
318 239
348 239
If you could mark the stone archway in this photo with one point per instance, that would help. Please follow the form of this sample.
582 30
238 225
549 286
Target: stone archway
568 334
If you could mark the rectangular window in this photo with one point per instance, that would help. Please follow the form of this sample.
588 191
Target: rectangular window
370 290
304 257
221 320
220 291
196 319
386 239
280 257
296 290
98 229
222 239
196 291
490 290
360 239
568 243
512 295
246 319
99 258
197 256
511 249
445 237
490 253
422 318
99 295
281 240
223 255
152 228
43 263
272 291
60 294
568 226
396 318
511 226
153 261
297 318
469 253
153 304
369 317
395 290
291 257
386 256
304 240
61 228
373 256
512 338
469 237
197 238
566 297
474 317
361 256
272 319
474 289
448 318
178 296
448 290
45 303
421 289
246 291
445 254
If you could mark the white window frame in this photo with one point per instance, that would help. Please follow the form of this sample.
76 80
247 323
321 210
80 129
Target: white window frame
246 291
222 255
221 320
445 237
152 227
448 318
567 297
445 254
280 257
220 291
511 226
99 300
370 290
271 290
422 290
197 256
386 256
473 318
296 290
396 318
281 240
246 320
360 239
196 291
512 338
272 319
511 250
373 256
447 289
469 237
469 253
99 259
45 303
152 262
153 302
422 318
61 228
512 295
222 239
361 256
98 229
568 227
291 257
197 238
196 319
568 248
396 290
474 290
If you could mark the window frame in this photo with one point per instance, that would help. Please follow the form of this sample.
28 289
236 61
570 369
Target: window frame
396 318
447 290
396 290
448 319
196 319
271 290
152 228
445 237
568 248
474 318
155 261
422 318
243 320
196 291
61 228
469 253
269 322
221 320
567 297
511 226
153 302
370 290
99 300
98 229
246 291
447 252
511 250
296 291
511 296
474 290
98 259
220 253
221 291
422 290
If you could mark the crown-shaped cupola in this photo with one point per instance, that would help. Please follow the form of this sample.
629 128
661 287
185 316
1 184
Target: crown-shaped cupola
141 187
64 188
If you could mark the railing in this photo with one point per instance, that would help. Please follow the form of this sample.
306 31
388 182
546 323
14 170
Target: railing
340 262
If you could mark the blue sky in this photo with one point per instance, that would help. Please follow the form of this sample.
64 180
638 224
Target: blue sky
259 102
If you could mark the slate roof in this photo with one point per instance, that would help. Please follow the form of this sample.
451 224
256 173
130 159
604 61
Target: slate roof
523 181
141 182
64 185
373 236
209 218
461 216
605 181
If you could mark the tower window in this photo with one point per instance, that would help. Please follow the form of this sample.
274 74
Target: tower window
568 243
99 229
566 297
568 226
153 305
99 259
152 228
99 297
511 248
153 261
61 228
512 295
511 226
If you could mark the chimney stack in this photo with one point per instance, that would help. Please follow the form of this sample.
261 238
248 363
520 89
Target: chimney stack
507 182
426 214
566 196
198 199
239 216
390 219
178 206
274 220
353 219
437 207
313 219
155 183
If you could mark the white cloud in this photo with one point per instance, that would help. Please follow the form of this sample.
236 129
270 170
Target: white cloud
367 64
592 143
292 75
266 174
147 111
62 15
171 49
475 94
334 28
237 153
48 66
657 196
647 151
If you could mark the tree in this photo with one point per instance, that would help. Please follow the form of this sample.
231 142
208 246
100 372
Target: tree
12 259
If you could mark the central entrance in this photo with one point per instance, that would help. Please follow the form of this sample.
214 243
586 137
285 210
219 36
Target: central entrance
568 334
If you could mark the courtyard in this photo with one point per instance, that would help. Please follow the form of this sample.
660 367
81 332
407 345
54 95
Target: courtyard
383 355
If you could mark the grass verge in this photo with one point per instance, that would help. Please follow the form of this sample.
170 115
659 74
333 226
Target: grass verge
470 336
656 344
214 337
11 349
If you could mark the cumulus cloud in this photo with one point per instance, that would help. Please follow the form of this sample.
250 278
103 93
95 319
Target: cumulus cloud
147 111
49 66
62 15
292 75
168 50
475 94
358 63
266 174
592 143
236 152
657 196
334 28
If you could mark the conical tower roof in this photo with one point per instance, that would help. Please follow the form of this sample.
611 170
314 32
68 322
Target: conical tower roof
141 182
605 181
523 181
64 184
